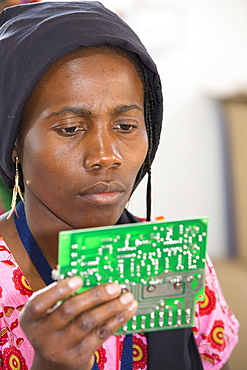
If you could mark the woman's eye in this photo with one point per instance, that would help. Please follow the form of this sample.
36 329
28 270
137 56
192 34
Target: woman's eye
125 127
71 130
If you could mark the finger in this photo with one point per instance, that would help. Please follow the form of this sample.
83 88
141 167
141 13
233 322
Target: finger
42 301
120 308
98 336
82 302
111 326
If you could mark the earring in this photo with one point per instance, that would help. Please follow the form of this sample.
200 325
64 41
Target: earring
16 190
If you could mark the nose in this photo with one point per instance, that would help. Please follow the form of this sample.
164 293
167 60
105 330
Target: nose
102 152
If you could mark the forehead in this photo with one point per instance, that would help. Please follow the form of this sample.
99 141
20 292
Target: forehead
87 75
91 61
91 64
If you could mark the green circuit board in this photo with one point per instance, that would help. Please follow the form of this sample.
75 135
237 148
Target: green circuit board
161 263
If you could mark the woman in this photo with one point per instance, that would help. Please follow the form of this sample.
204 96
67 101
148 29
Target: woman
80 133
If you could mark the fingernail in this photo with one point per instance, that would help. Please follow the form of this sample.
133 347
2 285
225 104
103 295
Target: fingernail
75 282
126 298
133 306
113 289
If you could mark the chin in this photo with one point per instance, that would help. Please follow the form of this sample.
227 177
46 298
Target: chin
98 219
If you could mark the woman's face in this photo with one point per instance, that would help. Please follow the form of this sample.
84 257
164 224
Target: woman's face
84 138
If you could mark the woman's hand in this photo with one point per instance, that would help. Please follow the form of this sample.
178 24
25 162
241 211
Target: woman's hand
65 337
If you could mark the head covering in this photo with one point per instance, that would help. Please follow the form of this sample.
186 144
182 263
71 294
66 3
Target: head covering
32 36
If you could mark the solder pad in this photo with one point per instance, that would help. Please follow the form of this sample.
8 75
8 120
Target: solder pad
161 263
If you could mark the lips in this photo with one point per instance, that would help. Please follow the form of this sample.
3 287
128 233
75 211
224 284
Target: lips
103 193
105 187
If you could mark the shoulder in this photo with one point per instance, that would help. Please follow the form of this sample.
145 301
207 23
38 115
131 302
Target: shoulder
4 252
14 292
216 327
7 241
7 266
8 230
14 288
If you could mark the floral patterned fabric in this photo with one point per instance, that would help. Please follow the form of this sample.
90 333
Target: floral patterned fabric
215 326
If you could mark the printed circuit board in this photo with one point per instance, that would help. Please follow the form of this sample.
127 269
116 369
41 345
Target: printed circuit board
161 263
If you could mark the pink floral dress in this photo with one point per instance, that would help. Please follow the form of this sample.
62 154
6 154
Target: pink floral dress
215 327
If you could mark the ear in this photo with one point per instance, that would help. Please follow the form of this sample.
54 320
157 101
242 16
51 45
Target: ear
14 154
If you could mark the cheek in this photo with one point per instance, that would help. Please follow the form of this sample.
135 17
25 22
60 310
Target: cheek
41 148
136 156
142 149
36 158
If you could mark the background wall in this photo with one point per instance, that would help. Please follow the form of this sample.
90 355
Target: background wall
200 50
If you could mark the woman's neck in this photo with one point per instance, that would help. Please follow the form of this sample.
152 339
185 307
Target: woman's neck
45 227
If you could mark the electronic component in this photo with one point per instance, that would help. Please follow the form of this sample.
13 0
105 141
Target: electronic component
161 263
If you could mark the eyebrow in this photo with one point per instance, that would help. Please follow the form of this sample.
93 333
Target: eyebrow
75 110
87 112
125 108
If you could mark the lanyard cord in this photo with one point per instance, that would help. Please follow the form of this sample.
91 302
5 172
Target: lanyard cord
127 356
32 248
44 269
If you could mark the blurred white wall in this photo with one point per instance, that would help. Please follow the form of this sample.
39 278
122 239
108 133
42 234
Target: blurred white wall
200 49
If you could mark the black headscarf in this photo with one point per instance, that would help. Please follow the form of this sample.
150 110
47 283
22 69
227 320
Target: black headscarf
32 36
